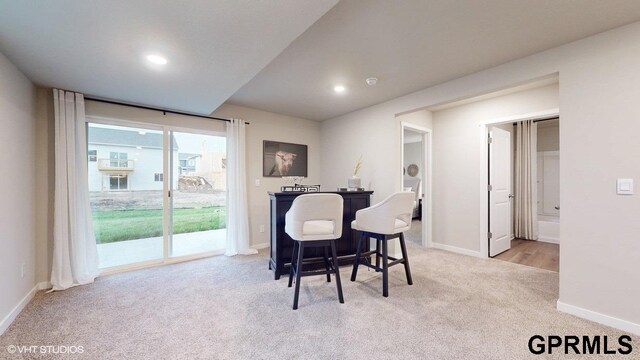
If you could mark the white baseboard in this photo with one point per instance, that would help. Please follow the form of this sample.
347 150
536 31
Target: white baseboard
456 249
549 240
260 246
45 285
623 325
13 314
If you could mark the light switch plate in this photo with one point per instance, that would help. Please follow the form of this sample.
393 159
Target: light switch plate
624 187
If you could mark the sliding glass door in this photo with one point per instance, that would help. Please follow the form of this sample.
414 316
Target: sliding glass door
126 193
198 193
156 194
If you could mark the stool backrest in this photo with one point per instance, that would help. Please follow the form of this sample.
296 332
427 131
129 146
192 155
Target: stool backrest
310 207
381 217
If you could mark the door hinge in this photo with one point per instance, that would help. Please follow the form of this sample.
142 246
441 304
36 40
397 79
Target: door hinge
169 193
489 187
490 140
489 235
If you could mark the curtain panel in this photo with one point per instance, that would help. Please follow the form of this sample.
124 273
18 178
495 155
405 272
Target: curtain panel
526 201
75 255
238 235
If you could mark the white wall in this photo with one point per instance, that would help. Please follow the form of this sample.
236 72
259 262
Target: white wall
18 226
270 126
599 89
548 136
456 172
413 155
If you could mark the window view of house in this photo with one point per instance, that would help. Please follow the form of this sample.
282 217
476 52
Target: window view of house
126 183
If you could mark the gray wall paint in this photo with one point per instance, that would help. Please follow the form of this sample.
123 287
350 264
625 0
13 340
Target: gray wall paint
20 203
548 135
599 229
270 126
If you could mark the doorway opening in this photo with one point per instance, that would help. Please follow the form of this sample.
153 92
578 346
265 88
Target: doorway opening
523 192
416 177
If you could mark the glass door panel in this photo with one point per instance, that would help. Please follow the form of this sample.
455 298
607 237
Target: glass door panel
126 195
198 193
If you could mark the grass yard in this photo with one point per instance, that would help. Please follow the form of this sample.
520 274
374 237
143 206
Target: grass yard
119 225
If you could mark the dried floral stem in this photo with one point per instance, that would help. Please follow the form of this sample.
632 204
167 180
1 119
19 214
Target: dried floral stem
357 166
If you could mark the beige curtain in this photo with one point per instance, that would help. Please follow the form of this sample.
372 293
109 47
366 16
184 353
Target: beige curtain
526 201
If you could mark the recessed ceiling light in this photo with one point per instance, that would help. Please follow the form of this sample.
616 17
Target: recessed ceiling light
157 59
371 81
142 132
339 89
139 147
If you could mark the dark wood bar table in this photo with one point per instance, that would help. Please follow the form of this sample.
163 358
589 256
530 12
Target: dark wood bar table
281 245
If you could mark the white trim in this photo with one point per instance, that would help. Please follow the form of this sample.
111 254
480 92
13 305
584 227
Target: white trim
484 167
457 250
536 115
427 213
13 314
159 262
260 246
549 240
623 325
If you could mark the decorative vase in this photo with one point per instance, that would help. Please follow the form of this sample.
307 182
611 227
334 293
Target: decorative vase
354 183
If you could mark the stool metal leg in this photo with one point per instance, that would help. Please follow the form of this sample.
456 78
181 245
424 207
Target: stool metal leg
336 268
293 261
298 272
385 269
407 270
326 262
356 261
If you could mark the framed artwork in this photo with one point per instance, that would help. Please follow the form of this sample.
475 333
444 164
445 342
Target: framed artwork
283 159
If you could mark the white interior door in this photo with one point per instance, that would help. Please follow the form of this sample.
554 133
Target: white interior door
500 189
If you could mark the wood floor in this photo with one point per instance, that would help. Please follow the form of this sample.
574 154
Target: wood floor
533 253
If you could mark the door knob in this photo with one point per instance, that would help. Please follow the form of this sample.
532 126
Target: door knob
557 207
511 196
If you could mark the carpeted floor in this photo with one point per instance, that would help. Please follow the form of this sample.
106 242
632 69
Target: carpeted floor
415 233
459 307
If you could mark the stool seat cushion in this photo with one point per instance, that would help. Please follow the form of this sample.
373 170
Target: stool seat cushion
317 230
399 226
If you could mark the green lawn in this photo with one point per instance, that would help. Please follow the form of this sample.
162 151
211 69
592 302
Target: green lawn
119 225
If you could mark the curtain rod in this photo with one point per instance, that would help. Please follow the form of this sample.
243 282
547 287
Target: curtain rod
164 111
553 118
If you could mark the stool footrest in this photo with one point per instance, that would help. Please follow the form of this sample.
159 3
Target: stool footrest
387 261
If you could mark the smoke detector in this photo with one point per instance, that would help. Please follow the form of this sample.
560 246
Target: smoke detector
371 81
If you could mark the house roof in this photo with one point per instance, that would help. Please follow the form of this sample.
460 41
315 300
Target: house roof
187 156
106 136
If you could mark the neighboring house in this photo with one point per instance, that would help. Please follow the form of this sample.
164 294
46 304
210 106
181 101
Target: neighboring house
187 163
126 160
213 167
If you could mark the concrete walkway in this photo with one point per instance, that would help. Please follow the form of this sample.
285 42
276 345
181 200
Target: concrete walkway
135 251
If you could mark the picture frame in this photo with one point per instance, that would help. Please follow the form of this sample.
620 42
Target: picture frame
284 159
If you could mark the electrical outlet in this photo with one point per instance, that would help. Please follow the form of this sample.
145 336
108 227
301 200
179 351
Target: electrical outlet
261 228
22 269
257 182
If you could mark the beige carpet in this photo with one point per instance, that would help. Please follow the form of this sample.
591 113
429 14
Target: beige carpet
231 308
415 233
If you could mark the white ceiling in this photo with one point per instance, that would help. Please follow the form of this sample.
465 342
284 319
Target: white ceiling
98 47
254 50
413 44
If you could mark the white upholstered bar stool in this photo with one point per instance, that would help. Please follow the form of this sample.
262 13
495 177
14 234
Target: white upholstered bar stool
384 221
314 220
